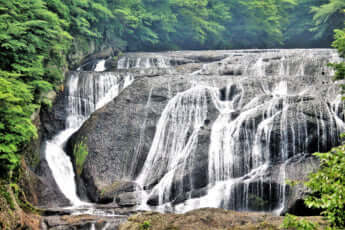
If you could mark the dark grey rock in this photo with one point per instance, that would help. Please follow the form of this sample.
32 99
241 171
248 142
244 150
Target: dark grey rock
53 119
109 193
48 193
129 199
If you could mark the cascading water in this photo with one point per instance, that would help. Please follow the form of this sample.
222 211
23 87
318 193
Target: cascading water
100 67
254 131
145 62
86 92
180 121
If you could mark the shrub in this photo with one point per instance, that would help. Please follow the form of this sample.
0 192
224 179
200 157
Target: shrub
146 225
293 222
80 152
328 186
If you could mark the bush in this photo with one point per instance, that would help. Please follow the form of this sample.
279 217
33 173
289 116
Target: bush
293 222
146 225
328 186
80 153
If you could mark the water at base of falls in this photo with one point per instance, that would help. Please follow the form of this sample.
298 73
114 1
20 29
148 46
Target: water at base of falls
86 92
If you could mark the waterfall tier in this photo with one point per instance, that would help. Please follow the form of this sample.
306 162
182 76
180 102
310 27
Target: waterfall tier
85 93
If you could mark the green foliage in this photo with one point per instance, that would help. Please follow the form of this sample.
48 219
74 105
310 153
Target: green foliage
328 186
31 36
33 45
80 153
328 17
339 44
295 223
146 225
15 125
262 20
339 41
188 24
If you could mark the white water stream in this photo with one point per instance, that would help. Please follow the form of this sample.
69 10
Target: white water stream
86 92
100 67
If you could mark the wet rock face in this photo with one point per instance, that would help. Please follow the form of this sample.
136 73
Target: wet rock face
222 127
53 119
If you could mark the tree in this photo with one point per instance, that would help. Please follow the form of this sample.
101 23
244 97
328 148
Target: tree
15 124
328 17
32 56
297 33
258 24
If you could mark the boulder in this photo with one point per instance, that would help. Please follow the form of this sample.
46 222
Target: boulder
129 199
110 193
42 190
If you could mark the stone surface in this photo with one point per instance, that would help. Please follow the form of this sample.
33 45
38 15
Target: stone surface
110 193
129 199
53 119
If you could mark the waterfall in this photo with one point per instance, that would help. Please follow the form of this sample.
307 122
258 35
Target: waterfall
265 119
145 62
181 120
223 134
100 67
86 92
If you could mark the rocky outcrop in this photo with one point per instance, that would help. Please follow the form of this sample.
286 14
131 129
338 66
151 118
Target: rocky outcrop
298 169
53 119
40 187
